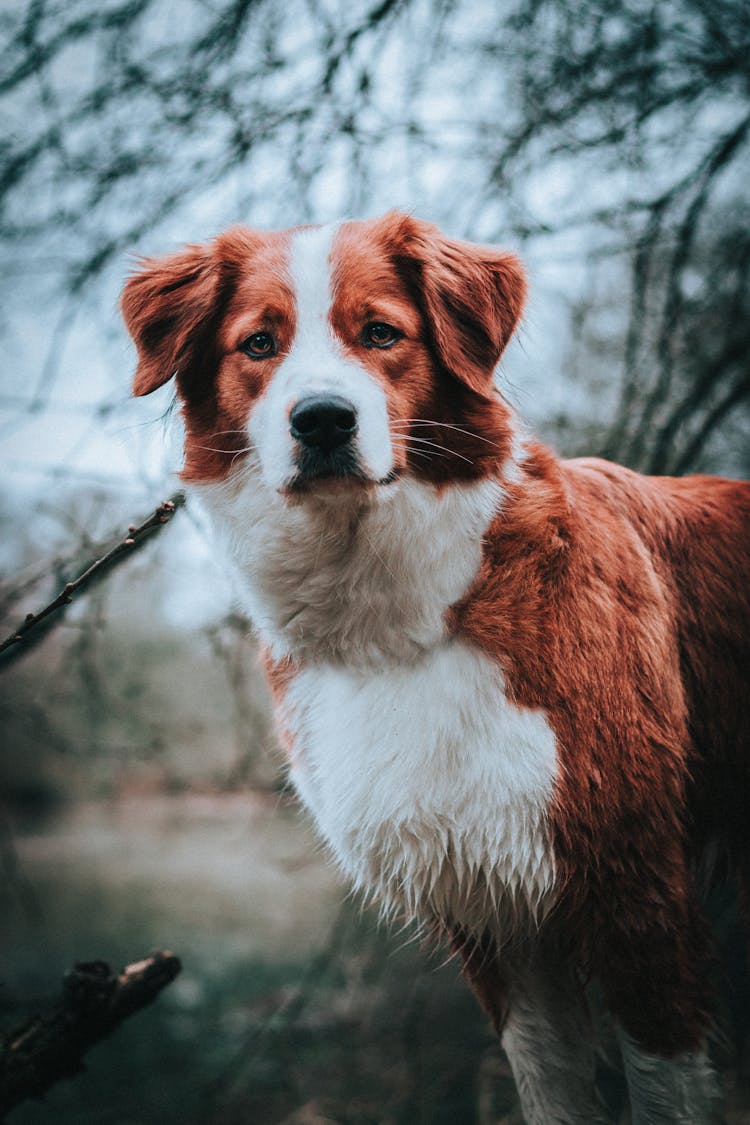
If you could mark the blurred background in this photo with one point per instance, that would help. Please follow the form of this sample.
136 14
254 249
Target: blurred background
142 802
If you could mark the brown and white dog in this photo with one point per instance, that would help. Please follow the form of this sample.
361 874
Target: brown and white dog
512 688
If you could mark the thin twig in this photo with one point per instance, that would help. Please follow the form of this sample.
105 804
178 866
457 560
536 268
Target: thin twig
135 536
94 1002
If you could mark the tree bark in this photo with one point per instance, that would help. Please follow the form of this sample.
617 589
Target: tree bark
95 1000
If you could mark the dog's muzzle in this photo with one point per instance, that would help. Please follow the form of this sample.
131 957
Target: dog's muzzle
324 428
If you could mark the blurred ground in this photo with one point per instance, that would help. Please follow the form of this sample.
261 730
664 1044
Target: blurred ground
291 1006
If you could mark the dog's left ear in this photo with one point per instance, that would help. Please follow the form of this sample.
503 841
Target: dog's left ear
472 297
166 306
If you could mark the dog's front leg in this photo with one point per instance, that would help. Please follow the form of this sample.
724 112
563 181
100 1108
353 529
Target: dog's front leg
669 1091
548 1041
538 1009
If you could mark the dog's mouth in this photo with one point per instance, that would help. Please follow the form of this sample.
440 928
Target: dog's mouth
337 471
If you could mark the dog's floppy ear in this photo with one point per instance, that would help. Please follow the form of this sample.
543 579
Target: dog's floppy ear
471 296
165 306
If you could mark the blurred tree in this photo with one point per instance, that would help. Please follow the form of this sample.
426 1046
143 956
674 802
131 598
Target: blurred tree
622 122
649 103
611 136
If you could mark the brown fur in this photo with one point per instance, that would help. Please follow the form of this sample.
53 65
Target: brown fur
618 604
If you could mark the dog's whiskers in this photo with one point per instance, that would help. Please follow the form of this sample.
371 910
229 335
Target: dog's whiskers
443 425
223 433
428 454
444 448
215 449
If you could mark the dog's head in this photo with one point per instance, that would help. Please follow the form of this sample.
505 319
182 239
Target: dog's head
335 357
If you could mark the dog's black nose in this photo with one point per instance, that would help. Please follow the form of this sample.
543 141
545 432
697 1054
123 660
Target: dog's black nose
323 422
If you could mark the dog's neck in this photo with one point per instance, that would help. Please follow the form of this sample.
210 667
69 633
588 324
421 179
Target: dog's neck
357 579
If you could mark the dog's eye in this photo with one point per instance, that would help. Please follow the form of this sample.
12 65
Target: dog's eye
380 335
260 345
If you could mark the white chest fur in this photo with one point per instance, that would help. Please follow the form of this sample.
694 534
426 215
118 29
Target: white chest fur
430 788
348 580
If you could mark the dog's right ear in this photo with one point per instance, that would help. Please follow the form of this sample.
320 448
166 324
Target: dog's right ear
165 305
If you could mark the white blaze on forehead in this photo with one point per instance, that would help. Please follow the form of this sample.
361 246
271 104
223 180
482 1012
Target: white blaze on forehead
317 364
310 267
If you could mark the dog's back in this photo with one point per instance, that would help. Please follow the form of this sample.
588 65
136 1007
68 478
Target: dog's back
705 540
699 527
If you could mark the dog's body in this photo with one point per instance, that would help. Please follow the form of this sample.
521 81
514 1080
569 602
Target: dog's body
511 688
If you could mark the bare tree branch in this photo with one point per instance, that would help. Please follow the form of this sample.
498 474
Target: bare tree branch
686 236
94 1002
732 395
43 619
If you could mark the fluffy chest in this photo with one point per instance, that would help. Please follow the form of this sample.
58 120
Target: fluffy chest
429 786
349 580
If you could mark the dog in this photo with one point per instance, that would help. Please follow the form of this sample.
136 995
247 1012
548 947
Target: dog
510 687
